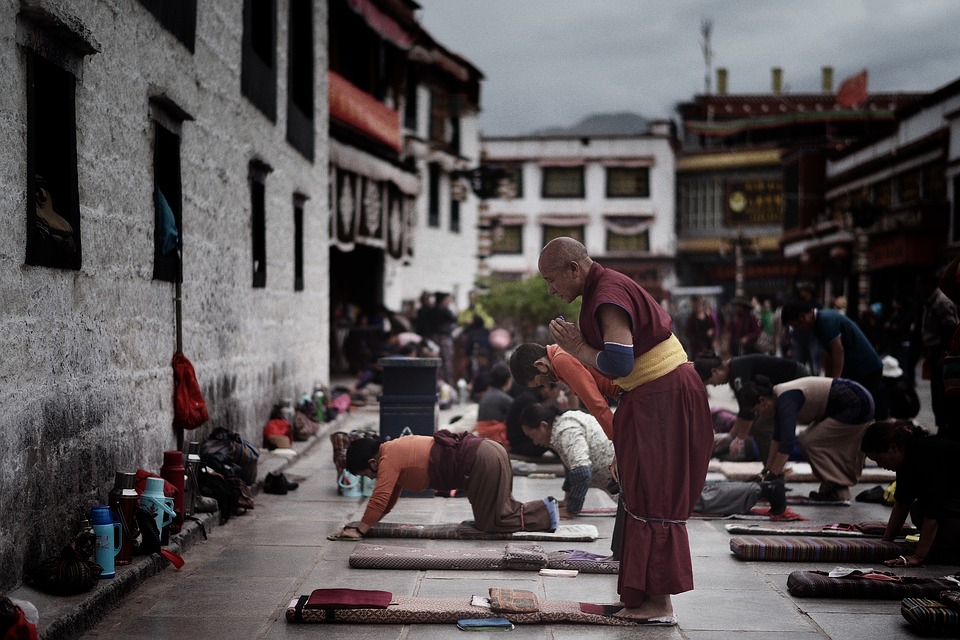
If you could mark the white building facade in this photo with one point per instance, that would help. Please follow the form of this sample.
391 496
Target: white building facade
613 193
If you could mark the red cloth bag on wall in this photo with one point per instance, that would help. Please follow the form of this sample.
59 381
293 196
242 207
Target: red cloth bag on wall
189 408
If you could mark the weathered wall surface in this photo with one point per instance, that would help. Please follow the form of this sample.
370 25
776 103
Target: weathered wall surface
85 377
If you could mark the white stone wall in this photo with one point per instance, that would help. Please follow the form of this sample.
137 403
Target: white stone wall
85 378
442 260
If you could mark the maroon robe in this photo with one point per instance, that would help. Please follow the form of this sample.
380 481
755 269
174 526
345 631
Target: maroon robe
663 436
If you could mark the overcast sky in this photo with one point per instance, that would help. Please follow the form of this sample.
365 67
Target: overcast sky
553 62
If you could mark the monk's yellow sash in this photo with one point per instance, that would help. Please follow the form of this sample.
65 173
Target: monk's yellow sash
659 361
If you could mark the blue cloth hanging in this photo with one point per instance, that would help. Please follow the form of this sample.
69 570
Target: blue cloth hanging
169 234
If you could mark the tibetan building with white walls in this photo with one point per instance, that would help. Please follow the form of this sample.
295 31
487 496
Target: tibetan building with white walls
613 193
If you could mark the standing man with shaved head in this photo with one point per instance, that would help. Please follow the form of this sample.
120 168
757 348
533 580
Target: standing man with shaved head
662 429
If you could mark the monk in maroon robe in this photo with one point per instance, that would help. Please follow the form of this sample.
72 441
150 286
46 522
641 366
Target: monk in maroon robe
663 433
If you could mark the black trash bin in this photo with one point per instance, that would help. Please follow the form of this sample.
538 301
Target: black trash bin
408 404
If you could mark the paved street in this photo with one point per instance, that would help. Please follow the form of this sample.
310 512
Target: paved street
237 584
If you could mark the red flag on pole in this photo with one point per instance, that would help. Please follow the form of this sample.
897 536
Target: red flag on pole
853 91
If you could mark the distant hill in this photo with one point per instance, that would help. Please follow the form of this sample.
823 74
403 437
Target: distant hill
602 124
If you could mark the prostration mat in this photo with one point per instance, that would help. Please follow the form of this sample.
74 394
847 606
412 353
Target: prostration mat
865 583
466 531
832 530
518 606
513 556
938 616
814 549
798 471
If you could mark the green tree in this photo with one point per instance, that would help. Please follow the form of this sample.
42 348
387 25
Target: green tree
522 305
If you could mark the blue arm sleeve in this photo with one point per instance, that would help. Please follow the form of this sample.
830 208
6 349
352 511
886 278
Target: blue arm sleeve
785 423
579 480
615 359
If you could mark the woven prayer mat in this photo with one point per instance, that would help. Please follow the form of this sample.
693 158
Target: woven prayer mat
818 584
813 549
833 530
933 616
756 513
466 531
799 471
413 610
518 557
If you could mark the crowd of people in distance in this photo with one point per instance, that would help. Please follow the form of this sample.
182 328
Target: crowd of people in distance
623 404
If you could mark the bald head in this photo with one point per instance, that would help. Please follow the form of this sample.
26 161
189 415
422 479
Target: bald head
562 251
564 264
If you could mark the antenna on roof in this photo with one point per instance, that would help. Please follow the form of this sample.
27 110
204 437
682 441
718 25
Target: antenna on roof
706 28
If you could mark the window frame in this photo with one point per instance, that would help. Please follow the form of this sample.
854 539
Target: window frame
643 192
547 171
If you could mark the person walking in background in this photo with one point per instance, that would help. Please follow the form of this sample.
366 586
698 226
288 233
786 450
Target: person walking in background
846 351
444 324
804 346
744 328
836 412
662 429
938 324
897 328
701 328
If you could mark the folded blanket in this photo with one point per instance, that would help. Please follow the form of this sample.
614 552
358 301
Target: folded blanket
933 616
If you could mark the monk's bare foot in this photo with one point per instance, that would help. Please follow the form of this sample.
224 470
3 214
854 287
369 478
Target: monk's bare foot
659 608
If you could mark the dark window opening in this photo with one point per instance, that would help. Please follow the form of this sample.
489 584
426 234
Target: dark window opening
433 205
298 202
258 222
179 17
300 130
168 205
506 238
258 73
411 103
454 215
628 182
563 182
53 207
551 232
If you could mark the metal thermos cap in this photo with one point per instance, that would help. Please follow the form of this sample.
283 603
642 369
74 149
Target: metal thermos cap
125 480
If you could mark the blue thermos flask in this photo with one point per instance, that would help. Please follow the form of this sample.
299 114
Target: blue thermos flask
109 539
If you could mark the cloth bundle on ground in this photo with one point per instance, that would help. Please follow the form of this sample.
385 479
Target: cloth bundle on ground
934 616
517 557
864 583
466 531
381 607
873 529
756 513
811 549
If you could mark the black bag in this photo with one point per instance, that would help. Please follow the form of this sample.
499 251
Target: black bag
231 455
